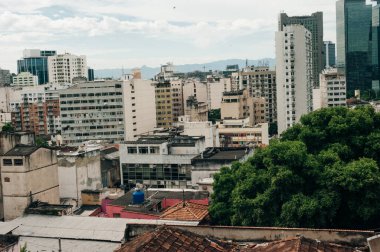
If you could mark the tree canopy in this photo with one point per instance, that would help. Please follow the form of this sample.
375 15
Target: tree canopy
322 173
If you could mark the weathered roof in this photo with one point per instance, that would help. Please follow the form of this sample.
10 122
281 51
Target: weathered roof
185 211
7 241
221 154
71 227
22 150
298 244
172 239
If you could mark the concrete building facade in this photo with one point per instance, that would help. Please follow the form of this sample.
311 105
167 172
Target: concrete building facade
5 77
314 24
159 161
28 173
24 79
216 86
333 91
294 73
92 111
63 68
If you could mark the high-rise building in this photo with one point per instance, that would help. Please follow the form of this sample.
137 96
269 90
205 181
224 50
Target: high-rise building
314 24
294 70
330 58
90 74
35 62
5 77
64 68
261 83
353 30
376 47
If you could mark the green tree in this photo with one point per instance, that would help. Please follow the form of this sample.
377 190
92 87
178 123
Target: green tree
323 173
214 115
8 128
41 142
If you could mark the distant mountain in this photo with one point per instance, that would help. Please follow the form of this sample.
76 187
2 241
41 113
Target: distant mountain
150 72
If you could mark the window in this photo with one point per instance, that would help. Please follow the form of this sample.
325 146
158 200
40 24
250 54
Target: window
143 150
6 179
116 215
19 162
7 162
132 150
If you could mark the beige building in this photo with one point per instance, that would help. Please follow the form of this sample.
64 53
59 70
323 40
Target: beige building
261 83
216 86
139 106
169 102
239 105
194 88
25 79
28 173
197 111
5 118
63 68
240 133
332 88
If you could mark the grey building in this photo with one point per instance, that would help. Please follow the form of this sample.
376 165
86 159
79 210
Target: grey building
5 77
92 111
353 29
329 52
376 47
313 23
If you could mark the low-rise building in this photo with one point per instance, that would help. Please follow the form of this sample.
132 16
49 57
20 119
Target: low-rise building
28 173
333 91
162 161
24 79
79 169
240 133
212 160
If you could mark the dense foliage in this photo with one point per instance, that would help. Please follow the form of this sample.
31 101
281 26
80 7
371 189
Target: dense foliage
214 115
8 128
324 173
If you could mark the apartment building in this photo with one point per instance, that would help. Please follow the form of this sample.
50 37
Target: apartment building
92 111
216 86
194 88
24 79
239 105
5 77
139 106
332 91
294 74
169 102
159 161
63 68
197 111
261 83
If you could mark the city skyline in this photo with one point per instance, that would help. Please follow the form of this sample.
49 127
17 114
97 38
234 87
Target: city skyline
117 33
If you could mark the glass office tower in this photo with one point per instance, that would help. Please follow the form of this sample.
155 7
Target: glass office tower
36 62
354 20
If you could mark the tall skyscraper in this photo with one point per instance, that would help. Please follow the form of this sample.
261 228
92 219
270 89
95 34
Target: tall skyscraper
330 58
376 47
313 23
64 68
353 29
294 70
35 62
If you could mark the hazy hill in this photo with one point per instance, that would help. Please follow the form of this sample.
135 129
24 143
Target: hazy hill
149 72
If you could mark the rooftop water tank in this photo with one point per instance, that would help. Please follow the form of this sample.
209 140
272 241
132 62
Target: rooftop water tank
138 197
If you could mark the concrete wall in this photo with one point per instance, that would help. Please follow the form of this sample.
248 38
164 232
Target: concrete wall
37 178
257 234
374 243
79 172
9 140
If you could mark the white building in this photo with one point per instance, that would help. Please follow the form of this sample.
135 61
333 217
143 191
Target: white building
332 88
159 161
216 86
25 79
294 75
63 68
139 107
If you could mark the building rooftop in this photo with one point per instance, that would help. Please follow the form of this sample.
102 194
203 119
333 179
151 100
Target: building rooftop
153 197
7 241
43 208
22 150
185 211
298 244
233 93
221 154
172 239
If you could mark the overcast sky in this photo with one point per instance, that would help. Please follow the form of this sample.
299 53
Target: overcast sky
131 33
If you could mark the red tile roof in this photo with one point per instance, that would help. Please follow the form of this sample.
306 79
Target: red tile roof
165 239
185 211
